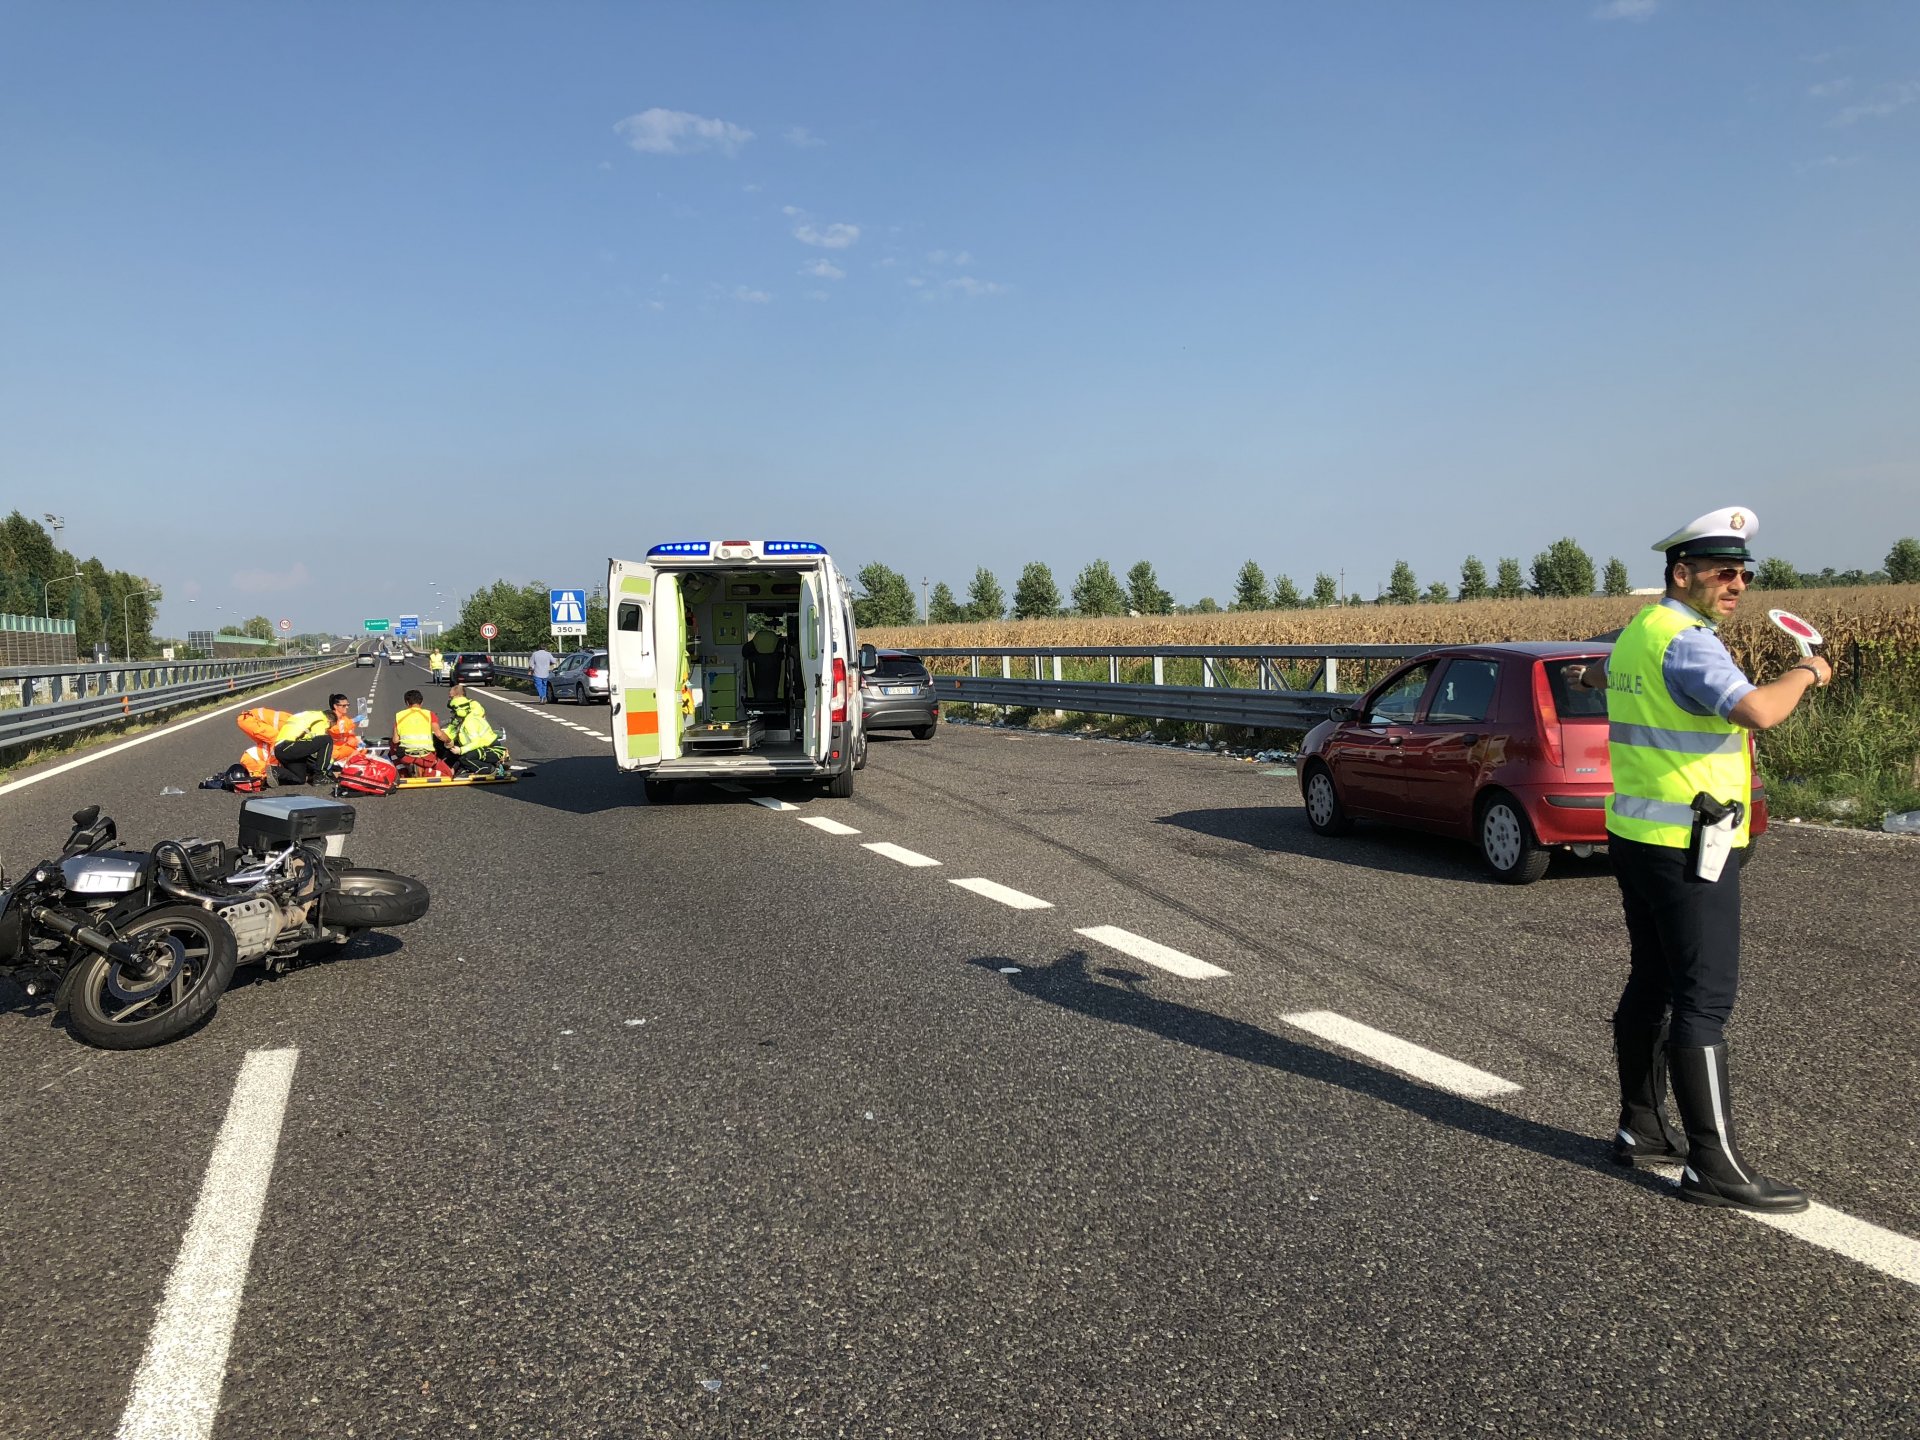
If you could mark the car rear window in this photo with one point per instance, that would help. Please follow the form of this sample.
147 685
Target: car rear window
1575 702
901 667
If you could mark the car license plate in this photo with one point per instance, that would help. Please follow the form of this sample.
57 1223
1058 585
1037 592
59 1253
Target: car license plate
896 689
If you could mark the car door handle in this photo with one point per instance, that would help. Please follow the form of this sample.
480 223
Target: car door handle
1469 739
1393 739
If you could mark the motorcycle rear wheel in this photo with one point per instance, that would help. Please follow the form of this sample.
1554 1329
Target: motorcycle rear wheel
105 1021
374 900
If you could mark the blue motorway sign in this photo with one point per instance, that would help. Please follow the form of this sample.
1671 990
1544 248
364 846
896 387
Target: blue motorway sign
409 624
568 609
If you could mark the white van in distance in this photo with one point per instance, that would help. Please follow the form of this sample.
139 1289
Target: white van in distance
734 660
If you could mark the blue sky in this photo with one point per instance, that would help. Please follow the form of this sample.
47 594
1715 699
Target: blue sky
307 306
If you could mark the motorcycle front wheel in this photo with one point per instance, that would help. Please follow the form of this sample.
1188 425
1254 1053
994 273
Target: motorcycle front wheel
192 956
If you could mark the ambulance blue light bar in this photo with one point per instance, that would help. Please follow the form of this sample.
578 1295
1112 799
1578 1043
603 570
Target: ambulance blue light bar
792 547
681 547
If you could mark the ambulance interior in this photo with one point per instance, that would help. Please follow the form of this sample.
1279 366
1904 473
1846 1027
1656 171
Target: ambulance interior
749 670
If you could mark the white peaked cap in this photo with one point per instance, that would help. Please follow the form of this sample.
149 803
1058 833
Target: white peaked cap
1718 532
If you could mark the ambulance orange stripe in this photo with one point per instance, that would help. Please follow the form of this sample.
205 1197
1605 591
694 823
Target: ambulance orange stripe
643 722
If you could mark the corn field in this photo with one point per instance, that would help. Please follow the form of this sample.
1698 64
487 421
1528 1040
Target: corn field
1866 627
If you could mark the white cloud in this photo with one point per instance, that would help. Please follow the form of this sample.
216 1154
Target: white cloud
1827 162
834 237
819 294
1828 89
1884 102
950 257
676 132
750 297
256 582
823 269
1626 10
915 281
968 285
792 212
802 138
752 189
656 304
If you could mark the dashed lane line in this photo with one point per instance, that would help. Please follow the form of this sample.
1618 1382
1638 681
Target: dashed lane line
1391 1051
1005 894
176 1391
900 853
829 827
1153 952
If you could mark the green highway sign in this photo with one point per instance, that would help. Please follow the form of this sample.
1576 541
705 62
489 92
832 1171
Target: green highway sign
375 625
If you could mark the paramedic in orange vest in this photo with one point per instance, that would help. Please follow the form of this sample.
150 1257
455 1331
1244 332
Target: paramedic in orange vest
1679 714
343 729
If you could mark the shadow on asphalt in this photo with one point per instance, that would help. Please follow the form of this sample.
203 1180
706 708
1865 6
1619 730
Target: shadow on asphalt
590 784
1285 831
1113 996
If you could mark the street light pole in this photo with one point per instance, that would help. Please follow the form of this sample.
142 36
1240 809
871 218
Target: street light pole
46 592
126 618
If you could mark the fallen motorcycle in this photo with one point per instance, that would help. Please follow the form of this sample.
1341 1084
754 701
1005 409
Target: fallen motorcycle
136 946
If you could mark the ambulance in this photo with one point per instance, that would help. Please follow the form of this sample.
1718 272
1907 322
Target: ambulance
734 660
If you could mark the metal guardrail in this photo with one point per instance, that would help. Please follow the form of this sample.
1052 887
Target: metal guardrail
46 702
1272 702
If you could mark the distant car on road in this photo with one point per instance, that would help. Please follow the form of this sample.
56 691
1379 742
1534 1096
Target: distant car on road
897 694
1489 743
366 657
580 676
471 668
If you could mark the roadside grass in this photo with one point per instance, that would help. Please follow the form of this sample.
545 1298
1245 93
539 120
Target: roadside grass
67 746
1851 752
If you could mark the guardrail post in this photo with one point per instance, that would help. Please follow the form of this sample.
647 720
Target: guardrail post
1332 670
1058 714
1159 669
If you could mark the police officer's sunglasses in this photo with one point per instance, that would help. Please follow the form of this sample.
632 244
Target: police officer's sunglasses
1724 575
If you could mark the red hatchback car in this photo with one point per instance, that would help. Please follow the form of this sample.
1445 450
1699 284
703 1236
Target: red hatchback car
1489 743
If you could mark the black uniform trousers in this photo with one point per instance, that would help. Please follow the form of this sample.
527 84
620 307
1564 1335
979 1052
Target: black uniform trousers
306 757
1685 937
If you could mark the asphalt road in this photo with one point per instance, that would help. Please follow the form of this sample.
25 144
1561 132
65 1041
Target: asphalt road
698 1120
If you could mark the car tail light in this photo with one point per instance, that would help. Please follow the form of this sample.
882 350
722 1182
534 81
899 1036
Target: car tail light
1546 717
593 672
839 691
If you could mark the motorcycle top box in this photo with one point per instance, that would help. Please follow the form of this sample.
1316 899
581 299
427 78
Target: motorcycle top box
273 824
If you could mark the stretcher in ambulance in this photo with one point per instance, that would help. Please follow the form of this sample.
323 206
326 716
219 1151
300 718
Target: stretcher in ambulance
734 660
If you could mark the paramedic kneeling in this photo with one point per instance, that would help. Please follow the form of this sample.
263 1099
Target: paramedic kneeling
302 745
471 740
416 728
1679 711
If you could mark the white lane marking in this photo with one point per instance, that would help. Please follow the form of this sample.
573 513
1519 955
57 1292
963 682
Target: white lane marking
1153 952
993 890
167 727
176 1391
771 803
831 827
900 853
1435 1069
1874 1246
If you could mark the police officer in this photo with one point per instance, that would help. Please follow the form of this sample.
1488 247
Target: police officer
1679 713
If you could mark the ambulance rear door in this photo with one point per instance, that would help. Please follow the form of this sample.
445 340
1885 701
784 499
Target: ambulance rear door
641 603
815 646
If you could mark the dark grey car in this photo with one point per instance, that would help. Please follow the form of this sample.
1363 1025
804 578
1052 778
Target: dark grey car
897 694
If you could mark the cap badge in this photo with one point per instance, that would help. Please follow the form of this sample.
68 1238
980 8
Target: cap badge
1737 521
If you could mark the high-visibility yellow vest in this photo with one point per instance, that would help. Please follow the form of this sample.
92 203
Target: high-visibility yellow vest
305 725
413 730
1663 755
470 730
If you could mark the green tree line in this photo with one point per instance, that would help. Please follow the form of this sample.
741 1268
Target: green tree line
1563 569
108 607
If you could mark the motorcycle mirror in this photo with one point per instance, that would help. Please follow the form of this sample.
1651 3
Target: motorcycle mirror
86 817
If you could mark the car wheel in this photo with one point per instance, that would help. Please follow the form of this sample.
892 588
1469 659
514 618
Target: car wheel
923 732
1325 813
860 755
553 693
840 787
1507 843
659 792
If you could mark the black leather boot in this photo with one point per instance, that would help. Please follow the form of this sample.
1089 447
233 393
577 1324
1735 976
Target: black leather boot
1715 1173
1644 1137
